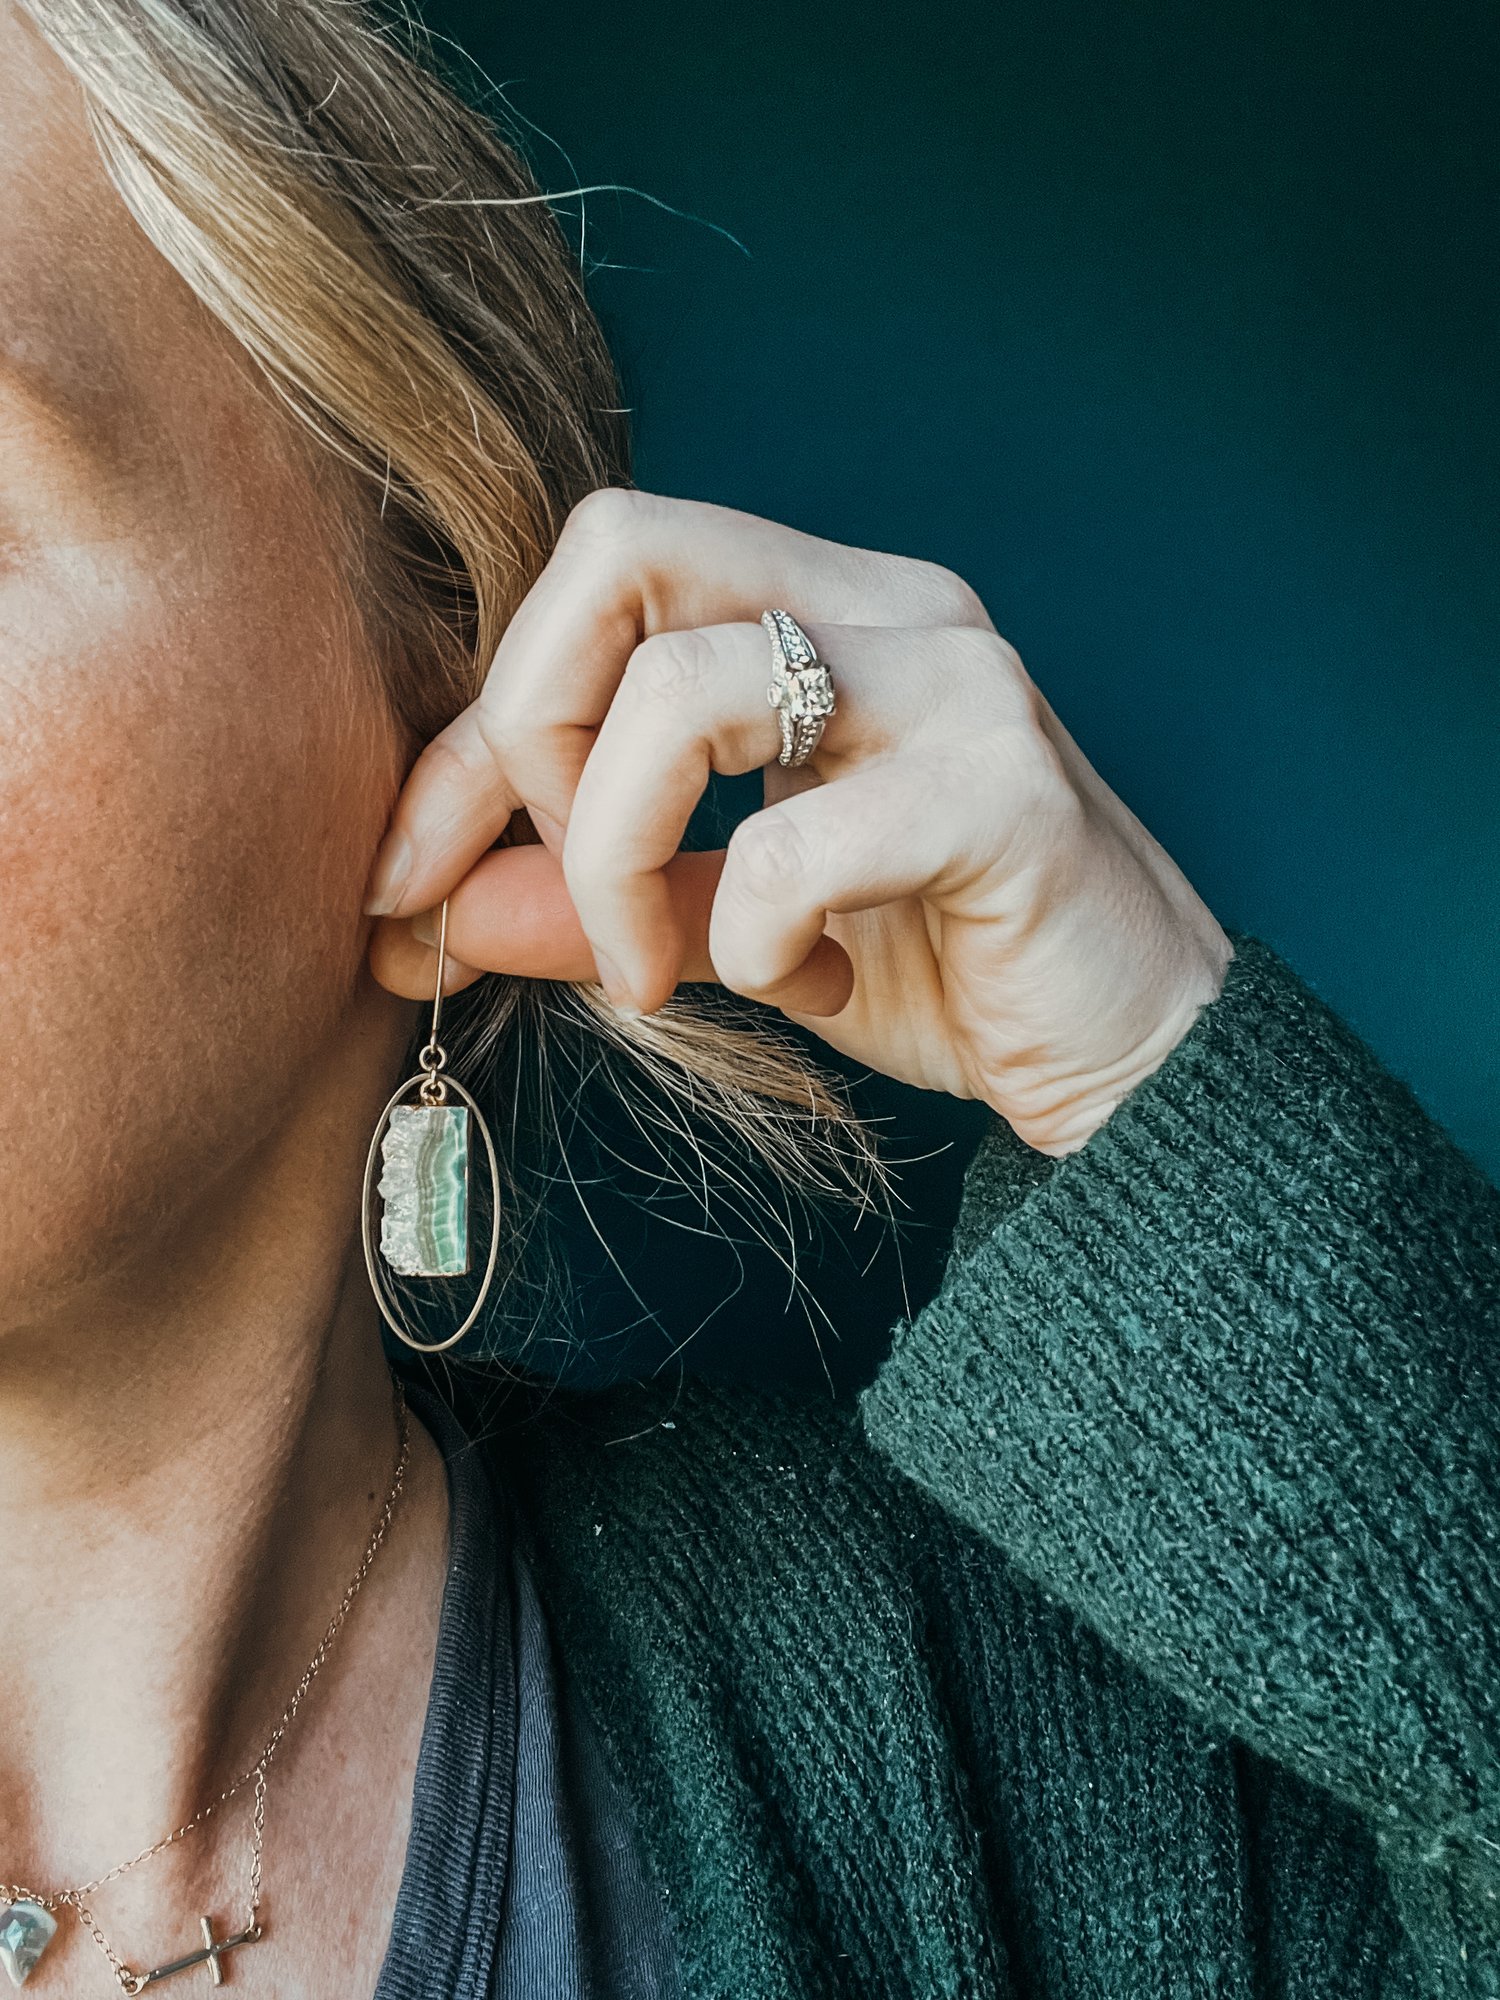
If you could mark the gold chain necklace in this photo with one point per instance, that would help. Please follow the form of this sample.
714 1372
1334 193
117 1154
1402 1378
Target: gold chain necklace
27 1922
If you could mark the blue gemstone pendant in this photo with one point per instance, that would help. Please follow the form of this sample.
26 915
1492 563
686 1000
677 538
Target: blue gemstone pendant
26 1930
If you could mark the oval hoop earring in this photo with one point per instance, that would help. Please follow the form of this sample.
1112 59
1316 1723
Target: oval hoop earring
424 1152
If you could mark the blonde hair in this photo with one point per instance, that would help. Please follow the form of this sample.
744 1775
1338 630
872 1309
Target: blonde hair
389 262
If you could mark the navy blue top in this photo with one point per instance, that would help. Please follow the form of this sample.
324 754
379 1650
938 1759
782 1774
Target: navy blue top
523 1877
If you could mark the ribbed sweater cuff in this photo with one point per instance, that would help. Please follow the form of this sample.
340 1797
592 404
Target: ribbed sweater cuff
1225 1382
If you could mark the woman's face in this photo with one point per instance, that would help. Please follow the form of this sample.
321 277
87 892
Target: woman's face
195 761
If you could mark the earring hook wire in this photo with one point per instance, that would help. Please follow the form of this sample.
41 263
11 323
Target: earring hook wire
442 960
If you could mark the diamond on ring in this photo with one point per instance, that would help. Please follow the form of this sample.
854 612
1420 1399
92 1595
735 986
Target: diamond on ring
801 690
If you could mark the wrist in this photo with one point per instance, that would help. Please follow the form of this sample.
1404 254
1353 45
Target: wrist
1073 1122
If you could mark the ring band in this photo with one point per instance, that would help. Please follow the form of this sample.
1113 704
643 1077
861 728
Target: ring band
801 690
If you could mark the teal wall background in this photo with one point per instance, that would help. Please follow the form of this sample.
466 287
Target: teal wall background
1176 329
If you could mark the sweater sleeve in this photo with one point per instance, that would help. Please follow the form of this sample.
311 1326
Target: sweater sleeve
1226 1383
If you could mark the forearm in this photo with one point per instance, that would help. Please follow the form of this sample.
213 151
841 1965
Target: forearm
1225 1382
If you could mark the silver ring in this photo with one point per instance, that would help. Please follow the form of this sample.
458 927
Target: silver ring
801 690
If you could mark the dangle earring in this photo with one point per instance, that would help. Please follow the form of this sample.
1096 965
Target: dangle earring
424 1183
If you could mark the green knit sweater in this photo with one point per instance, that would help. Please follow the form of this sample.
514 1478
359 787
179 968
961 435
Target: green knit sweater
1139 1632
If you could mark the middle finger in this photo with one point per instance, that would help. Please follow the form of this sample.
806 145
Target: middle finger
691 703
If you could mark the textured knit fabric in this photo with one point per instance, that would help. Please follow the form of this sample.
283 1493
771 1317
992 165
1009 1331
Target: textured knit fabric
1139 1632
523 1877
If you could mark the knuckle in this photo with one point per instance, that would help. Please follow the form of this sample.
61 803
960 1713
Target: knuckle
745 972
770 853
1011 736
515 724
1053 800
465 753
501 712
1040 783
986 654
608 516
948 598
671 666
744 961
978 674
991 668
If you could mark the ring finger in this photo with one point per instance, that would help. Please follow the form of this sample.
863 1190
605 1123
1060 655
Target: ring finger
691 703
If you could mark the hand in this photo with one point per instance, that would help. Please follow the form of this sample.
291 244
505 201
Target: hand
947 891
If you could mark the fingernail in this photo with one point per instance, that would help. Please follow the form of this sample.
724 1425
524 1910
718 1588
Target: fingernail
615 989
389 876
424 928
552 830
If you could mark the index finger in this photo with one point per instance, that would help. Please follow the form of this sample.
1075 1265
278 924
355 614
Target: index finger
626 565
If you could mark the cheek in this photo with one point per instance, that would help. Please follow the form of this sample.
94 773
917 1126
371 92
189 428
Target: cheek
193 779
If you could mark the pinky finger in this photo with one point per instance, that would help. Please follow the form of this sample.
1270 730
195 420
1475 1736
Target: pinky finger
860 842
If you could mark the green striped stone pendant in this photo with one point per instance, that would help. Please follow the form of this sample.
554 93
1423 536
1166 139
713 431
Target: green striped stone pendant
424 1228
422 1150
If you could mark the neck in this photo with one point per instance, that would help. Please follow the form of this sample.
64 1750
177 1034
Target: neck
192 1456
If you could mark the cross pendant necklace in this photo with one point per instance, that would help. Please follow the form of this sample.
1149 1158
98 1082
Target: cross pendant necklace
213 1950
27 1925
28 1922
